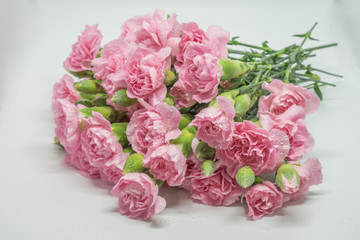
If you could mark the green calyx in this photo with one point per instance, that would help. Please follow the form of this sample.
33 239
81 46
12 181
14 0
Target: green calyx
119 130
232 68
245 177
204 151
207 167
170 78
88 86
288 171
134 164
121 99
185 139
108 112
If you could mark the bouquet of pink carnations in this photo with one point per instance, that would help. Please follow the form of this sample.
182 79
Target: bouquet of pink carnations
171 105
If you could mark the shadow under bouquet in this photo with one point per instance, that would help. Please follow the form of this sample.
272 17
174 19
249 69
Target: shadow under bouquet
170 104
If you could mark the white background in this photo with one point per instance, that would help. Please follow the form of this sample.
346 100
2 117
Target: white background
42 198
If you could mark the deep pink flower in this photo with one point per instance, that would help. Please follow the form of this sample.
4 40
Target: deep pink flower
84 50
293 124
216 125
166 163
283 96
310 174
153 127
138 196
153 30
254 147
79 161
68 130
263 199
98 142
217 189
64 89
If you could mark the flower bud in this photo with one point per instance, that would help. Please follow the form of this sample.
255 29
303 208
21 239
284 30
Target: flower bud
82 74
207 167
119 130
258 179
185 121
230 95
287 178
88 86
128 150
245 177
121 99
170 77
91 100
169 100
204 151
232 68
107 111
242 105
185 139
134 164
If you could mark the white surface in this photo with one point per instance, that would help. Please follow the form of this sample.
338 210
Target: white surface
42 198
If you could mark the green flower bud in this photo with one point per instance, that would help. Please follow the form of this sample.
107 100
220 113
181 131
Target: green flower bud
119 130
245 177
232 68
82 74
207 167
128 150
185 121
287 178
91 100
170 77
169 100
258 179
121 99
57 142
230 95
242 105
204 151
88 86
107 111
134 164
185 139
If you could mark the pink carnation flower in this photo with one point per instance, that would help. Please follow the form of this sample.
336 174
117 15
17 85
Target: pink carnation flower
98 142
199 78
263 199
283 96
64 89
112 173
153 127
138 196
214 39
79 161
218 189
310 174
254 147
293 124
145 70
216 125
166 163
68 130
153 30
84 51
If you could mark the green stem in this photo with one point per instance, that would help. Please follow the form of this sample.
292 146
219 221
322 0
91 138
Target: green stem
320 47
328 73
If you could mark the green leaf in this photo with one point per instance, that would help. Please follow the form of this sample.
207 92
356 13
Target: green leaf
317 91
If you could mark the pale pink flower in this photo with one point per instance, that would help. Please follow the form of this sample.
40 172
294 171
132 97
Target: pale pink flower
290 186
310 174
218 189
216 125
112 173
153 127
79 161
263 199
64 89
138 196
255 147
283 96
214 39
68 130
153 30
166 163
98 142
293 124
145 72
84 50
199 78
